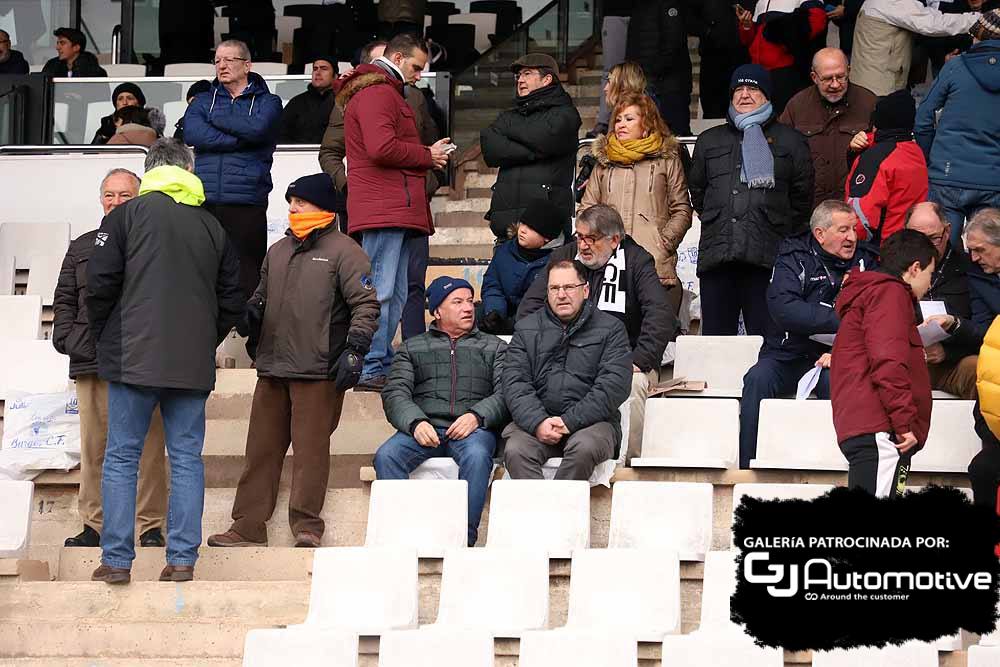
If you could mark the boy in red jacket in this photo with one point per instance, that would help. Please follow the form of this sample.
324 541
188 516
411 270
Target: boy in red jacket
879 385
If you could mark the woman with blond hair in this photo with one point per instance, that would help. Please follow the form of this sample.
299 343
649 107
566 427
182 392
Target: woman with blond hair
639 173
624 79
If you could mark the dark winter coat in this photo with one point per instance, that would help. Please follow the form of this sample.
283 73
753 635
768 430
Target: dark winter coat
715 25
163 291
657 40
70 325
534 145
649 320
316 296
984 300
743 225
233 141
800 298
581 372
878 375
508 278
950 284
85 65
16 64
436 379
306 116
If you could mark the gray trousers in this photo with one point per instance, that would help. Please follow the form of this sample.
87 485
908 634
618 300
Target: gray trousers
581 452
613 38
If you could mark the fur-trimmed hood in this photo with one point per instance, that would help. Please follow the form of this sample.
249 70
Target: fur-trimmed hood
599 149
363 77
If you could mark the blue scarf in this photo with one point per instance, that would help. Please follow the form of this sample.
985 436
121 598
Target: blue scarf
758 162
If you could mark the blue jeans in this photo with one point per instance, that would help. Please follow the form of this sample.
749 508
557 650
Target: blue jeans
960 204
130 409
400 455
390 255
770 378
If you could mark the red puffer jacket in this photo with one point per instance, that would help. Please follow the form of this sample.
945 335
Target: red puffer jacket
386 161
878 374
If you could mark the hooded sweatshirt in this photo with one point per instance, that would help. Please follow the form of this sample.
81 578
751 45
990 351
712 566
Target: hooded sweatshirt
878 374
967 135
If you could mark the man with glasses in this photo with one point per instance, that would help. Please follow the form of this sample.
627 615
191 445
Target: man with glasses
233 129
534 145
11 61
565 373
622 282
829 113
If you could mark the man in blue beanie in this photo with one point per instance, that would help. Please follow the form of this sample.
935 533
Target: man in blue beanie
443 396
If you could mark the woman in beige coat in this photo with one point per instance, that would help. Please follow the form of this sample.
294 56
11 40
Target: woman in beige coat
639 173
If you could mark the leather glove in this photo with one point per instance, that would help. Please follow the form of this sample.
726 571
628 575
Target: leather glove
250 325
492 322
349 368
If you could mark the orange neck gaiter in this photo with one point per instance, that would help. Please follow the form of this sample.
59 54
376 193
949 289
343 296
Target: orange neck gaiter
302 224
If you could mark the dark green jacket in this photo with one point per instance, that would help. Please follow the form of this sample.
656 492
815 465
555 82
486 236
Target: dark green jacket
581 373
437 380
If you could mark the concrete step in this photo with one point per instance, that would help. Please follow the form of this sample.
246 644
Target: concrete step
64 661
473 204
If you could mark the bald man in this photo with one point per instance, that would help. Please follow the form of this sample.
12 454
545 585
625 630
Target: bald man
829 113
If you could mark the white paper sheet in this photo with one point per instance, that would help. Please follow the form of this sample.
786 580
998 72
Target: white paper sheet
928 308
807 383
931 332
826 339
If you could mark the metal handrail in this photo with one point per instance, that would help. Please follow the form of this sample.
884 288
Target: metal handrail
71 148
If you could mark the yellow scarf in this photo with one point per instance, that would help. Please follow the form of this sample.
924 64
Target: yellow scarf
633 150
303 224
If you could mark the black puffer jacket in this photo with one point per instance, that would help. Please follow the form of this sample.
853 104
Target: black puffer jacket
581 372
743 225
534 145
85 65
436 379
305 117
657 40
950 284
70 325
712 21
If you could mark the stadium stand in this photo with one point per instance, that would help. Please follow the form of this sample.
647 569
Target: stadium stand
24 241
662 515
303 647
43 275
721 361
22 316
401 515
595 647
797 435
682 433
547 514
15 520
912 654
444 647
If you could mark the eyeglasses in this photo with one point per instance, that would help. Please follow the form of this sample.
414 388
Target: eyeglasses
555 289
588 239
827 80
936 238
522 73
228 61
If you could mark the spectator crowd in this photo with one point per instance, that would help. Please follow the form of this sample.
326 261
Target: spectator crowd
836 215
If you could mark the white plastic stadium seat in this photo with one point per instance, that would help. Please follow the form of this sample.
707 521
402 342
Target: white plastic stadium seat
300 646
126 70
983 656
486 25
439 467
95 112
594 647
363 589
286 26
721 361
435 647
43 276
201 70
797 435
271 69
778 492
220 26
952 441
7 275
662 515
430 516
33 366
24 240
718 648
681 433
502 591
553 515
912 654
718 586
15 520
21 317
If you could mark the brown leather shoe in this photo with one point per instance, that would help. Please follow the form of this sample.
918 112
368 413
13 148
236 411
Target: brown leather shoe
308 540
111 575
177 573
231 538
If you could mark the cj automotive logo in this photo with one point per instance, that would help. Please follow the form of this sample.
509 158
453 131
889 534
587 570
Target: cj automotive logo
819 581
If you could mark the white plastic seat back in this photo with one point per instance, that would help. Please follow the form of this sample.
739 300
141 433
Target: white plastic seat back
553 515
24 240
662 515
15 520
594 647
721 361
202 70
33 366
436 647
502 591
220 26
7 275
439 467
300 646
632 592
911 654
778 492
952 440
123 70
797 435
718 586
270 69
686 433
286 26
983 656
486 25
21 317
43 276
430 516
364 589
718 648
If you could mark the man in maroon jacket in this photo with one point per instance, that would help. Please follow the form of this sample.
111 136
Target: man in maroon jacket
386 170
879 383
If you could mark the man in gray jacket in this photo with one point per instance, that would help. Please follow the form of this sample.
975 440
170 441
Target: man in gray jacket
568 368
443 396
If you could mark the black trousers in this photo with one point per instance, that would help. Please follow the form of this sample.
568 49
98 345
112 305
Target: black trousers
717 68
875 465
413 322
246 226
729 289
786 81
984 470
675 107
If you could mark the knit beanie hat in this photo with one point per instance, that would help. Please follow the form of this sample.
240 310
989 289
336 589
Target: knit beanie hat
895 111
440 288
197 88
129 87
317 189
544 217
987 27
751 75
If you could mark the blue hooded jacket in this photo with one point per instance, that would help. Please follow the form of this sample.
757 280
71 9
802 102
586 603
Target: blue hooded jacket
234 141
961 150
509 276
